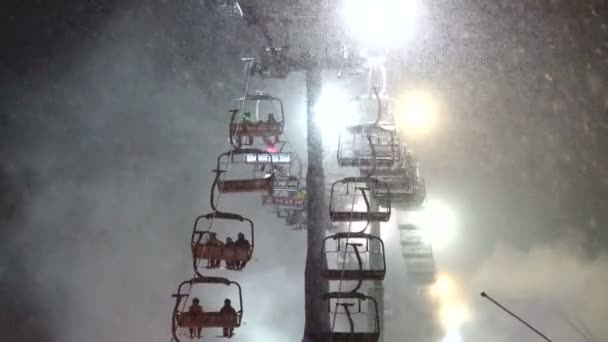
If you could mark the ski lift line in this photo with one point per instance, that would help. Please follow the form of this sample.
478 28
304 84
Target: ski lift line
578 325
210 227
379 105
486 296
333 323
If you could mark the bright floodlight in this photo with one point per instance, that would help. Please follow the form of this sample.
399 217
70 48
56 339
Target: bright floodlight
330 114
454 314
437 221
380 23
443 287
452 336
416 112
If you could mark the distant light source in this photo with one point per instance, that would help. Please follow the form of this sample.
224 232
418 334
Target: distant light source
331 114
443 287
452 336
453 315
380 23
416 112
437 221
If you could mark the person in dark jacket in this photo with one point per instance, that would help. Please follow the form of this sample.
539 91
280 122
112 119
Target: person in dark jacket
242 243
228 310
196 311
231 265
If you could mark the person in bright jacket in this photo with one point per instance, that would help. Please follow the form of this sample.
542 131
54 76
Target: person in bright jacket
214 242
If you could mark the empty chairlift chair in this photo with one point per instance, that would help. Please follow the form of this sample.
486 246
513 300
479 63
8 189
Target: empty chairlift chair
407 187
418 255
413 243
246 164
208 253
261 118
364 248
421 271
349 194
368 147
271 63
277 159
287 194
353 325
183 319
294 218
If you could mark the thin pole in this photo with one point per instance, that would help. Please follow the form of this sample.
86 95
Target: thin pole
485 295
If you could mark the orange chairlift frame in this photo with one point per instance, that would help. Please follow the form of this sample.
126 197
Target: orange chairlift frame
352 335
204 251
260 181
207 319
361 273
243 131
344 191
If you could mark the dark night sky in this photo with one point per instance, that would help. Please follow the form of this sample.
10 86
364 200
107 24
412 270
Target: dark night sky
109 122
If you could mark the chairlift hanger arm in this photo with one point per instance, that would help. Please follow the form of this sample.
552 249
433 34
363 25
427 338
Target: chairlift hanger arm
225 216
266 97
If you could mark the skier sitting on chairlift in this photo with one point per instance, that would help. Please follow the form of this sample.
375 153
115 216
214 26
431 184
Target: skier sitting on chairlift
228 310
246 118
214 241
195 310
231 265
241 243
271 141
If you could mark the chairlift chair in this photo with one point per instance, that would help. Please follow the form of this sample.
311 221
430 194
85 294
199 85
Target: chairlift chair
413 243
407 187
412 237
272 63
182 320
243 130
368 147
351 190
375 107
421 250
287 193
203 250
353 63
421 271
362 246
260 180
349 304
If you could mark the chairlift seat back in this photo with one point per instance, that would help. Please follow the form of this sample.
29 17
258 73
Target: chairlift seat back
205 251
350 337
245 185
207 320
259 129
353 275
